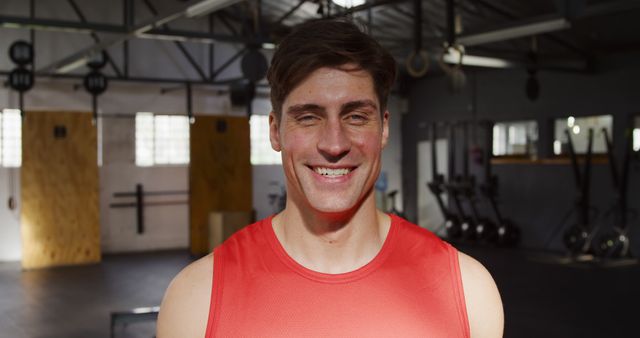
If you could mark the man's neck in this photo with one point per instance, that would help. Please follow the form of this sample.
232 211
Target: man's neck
329 244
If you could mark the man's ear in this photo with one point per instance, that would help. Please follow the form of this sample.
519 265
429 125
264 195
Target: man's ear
385 128
274 132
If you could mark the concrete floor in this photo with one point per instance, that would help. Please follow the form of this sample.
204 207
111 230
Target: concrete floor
540 299
76 302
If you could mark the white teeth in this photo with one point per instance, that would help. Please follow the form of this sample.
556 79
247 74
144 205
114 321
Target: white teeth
332 172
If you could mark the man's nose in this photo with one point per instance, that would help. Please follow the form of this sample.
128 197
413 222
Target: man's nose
334 141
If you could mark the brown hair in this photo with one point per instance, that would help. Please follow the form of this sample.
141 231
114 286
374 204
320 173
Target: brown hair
328 43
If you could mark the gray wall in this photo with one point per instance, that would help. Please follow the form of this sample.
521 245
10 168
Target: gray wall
535 195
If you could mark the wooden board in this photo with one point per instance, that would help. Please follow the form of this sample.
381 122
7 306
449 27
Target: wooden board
219 174
223 224
59 187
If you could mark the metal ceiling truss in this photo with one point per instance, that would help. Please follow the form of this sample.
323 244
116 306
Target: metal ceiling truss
251 33
155 28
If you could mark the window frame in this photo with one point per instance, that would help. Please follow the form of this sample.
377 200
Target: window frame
3 138
154 138
597 155
265 143
530 145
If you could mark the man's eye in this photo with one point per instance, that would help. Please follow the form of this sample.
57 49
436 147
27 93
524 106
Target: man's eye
357 118
307 118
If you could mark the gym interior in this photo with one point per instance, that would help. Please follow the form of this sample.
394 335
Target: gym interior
134 140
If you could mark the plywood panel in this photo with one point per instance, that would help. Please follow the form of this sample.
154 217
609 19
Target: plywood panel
220 173
59 188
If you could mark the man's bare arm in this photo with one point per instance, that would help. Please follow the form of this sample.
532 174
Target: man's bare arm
185 308
484 306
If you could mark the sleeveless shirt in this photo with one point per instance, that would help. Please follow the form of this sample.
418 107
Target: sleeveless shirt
411 288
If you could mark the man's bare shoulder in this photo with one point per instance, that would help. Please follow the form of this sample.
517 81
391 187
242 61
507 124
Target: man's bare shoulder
185 307
484 306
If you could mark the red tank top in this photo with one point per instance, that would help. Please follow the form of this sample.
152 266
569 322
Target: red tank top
412 288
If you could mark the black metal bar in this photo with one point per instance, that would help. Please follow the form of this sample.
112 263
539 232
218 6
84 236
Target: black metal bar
612 161
289 12
78 27
189 102
586 183
574 159
451 22
140 208
202 37
434 153
258 20
624 186
128 8
191 60
417 26
136 79
211 47
44 24
223 19
229 62
147 204
125 58
488 152
32 32
452 152
465 150
151 193
21 103
179 45
94 106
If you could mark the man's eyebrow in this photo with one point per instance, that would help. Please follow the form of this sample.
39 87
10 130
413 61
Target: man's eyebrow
301 108
352 105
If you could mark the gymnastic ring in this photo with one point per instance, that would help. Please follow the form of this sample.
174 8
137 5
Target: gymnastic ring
450 69
411 58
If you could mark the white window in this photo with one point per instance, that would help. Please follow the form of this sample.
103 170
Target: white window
636 134
161 139
578 128
10 138
515 138
261 151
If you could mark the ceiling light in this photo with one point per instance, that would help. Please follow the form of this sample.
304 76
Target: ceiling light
207 6
576 129
72 66
453 56
571 121
348 3
519 31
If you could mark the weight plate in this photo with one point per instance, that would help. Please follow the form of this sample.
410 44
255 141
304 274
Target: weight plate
95 83
254 65
21 52
21 79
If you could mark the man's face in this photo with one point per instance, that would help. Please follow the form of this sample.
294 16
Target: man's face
331 135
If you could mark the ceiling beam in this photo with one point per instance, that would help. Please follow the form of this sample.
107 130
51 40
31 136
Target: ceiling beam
567 45
76 58
519 29
89 28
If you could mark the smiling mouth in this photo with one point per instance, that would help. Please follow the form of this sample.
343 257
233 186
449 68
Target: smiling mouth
332 172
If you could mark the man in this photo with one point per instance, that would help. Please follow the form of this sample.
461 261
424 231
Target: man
331 264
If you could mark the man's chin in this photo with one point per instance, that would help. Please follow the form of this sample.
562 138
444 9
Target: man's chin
334 210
